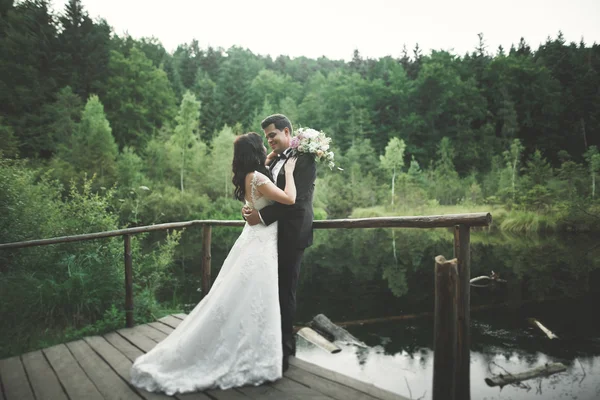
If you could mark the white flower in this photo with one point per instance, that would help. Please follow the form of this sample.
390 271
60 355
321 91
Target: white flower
313 142
310 133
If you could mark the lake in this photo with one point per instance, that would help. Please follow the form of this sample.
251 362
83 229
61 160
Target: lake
351 275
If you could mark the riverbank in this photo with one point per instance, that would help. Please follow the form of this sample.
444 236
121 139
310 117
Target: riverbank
560 219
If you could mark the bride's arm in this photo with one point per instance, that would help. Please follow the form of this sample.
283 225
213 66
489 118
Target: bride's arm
270 157
287 196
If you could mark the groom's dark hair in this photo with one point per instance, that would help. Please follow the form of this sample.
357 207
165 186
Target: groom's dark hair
280 121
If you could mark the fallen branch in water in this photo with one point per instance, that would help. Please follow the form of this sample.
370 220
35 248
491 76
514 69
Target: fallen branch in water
544 370
428 314
318 340
494 277
583 369
516 383
547 331
408 386
324 326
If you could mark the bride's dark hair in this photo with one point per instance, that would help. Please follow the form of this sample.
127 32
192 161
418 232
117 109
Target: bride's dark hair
249 155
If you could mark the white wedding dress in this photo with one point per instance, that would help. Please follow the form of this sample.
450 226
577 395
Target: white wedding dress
233 336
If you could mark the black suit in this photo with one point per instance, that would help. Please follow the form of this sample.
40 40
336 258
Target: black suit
294 235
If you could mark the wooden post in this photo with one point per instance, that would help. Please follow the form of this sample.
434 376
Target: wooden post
462 252
128 282
445 326
206 256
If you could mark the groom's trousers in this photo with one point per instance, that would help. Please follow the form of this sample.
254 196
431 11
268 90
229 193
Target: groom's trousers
289 270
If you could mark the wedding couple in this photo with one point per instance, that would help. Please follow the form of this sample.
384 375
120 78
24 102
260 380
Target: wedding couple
241 333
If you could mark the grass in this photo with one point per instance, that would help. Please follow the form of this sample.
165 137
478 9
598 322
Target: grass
529 221
427 209
31 338
513 221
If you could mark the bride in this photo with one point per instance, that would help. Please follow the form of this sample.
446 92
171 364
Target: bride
233 336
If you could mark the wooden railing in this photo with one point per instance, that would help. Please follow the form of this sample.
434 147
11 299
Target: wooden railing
452 314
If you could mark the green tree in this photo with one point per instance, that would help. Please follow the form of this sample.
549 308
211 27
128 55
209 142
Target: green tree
446 183
289 108
139 98
538 169
274 87
187 61
84 50
205 89
312 106
235 102
348 114
512 158
186 131
446 104
8 142
62 118
393 160
129 169
219 179
266 110
28 72
93 148
572 177
592 157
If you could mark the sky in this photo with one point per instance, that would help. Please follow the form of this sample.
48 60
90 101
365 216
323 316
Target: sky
335 28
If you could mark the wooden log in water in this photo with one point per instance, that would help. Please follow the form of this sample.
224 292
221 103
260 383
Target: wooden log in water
491 279
547 331
324 326
462 252
318 340
480 278
544 370
445 327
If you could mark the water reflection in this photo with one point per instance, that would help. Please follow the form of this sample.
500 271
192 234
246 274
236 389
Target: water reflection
410 374
353 275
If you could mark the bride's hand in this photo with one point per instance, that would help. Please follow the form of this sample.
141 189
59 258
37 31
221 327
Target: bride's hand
290 165
270 157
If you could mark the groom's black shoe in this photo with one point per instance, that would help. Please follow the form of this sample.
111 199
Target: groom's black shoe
285 364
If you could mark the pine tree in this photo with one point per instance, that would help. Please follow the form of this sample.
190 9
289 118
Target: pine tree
186 131
93 149
84 50
63 116
28 72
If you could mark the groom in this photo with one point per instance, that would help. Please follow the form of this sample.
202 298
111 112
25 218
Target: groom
295 222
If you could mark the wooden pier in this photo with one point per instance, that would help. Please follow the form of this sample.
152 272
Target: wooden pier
98 367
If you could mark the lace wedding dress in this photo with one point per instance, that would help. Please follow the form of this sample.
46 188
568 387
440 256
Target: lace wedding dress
233 336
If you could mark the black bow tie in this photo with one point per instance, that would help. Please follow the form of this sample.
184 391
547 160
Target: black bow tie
282 156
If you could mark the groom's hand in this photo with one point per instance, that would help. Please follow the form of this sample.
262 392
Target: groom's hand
251 217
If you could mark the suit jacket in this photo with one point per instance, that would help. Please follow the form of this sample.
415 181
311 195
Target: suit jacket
295 221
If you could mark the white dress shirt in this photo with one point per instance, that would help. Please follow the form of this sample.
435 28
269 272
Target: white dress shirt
279 165
275 172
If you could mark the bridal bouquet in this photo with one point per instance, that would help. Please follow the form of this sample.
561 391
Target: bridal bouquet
311 141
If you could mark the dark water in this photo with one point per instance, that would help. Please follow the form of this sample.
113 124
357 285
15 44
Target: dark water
353 274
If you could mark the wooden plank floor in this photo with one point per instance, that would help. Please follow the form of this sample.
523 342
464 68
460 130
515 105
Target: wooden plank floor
98 368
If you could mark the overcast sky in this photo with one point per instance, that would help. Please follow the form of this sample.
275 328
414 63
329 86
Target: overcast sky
334 28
